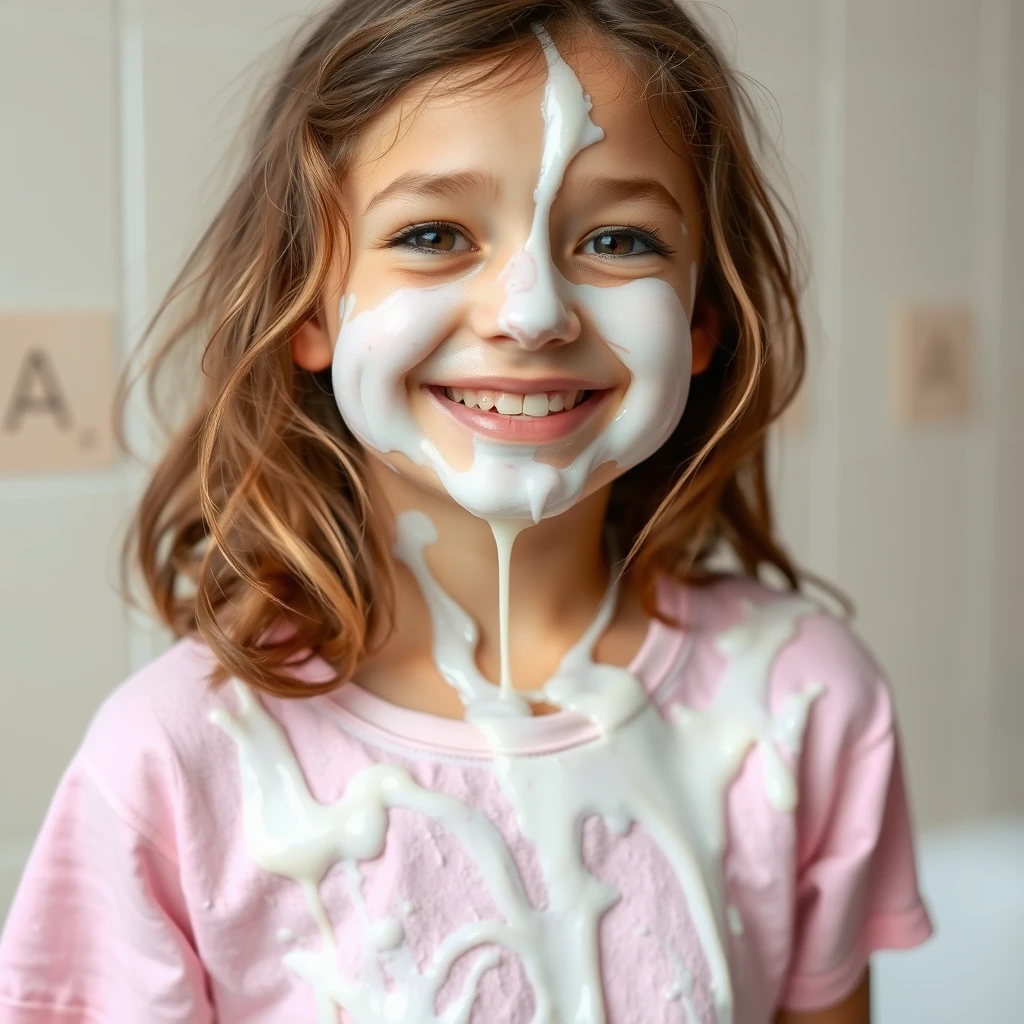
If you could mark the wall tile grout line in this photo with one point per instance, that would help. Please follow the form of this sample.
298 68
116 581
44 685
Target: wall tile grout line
143 640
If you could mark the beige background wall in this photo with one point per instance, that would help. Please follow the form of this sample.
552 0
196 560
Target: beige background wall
902 123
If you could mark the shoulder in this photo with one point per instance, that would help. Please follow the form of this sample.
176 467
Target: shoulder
150 734
808 683
797 644
163 709
156 707
158 757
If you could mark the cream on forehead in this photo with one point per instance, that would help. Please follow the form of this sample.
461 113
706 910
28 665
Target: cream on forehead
534 307
642 320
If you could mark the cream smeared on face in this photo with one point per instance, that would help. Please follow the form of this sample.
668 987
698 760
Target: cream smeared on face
536 305
643 321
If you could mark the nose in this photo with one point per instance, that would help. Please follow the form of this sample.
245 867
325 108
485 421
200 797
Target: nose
536 310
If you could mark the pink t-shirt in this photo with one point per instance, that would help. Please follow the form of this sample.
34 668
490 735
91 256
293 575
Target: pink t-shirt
142 903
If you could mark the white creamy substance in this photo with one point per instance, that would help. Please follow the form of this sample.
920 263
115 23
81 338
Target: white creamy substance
669 776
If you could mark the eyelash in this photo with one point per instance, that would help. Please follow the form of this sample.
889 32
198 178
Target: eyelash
409 233
645 232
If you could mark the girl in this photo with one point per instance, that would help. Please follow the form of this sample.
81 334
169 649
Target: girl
502 277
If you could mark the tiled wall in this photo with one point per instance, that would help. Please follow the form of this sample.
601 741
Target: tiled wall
60 622
902 125
114 119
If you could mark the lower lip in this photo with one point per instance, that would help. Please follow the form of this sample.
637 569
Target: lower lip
556 426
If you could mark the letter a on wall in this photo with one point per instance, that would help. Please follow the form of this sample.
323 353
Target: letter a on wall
56 392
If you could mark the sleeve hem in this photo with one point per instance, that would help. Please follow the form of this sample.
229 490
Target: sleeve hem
45 1013
812 992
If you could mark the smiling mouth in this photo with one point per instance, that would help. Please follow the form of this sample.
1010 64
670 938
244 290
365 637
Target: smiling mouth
538 417
536 405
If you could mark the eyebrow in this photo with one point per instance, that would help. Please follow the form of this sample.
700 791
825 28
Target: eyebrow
421 185
618 190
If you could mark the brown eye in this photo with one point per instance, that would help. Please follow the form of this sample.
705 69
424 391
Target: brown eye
614 243
436 238
443 239
617 243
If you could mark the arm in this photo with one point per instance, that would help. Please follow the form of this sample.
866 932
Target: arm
98 929
854 1009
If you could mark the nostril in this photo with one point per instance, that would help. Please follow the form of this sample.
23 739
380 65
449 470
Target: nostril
534 326
534 312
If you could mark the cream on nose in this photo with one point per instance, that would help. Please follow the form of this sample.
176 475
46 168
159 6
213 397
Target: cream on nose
534 313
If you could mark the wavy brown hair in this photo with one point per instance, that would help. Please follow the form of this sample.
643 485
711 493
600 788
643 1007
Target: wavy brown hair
258 513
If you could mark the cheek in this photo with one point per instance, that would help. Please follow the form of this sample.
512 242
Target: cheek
376 350
648 328
451 440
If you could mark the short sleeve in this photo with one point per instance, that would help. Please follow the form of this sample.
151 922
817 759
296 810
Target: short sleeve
97 933
857 888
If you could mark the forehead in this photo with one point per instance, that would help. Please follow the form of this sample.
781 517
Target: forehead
489 113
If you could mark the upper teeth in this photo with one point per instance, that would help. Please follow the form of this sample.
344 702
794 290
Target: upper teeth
537 404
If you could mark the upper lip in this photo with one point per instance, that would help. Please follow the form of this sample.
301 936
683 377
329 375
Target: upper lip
518 386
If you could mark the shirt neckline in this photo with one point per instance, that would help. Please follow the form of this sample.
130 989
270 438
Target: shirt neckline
378 719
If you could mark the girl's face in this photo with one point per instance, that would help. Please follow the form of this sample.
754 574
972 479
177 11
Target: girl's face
514 326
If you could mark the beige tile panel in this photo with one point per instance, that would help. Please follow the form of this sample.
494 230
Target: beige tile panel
901 537
59 176
243 13
1012 354
56 391
1009 500
777 48
196 101
870 423
239 24
80 14
1008 661
918 38
909 224
764 36
64 632
1006 797
791 483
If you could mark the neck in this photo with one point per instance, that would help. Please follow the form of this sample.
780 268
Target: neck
559 573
